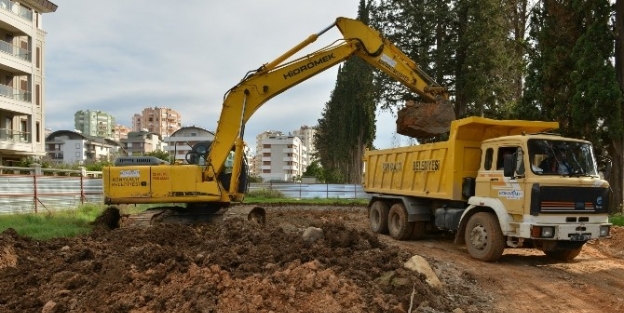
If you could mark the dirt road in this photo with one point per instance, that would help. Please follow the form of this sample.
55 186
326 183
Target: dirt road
240 267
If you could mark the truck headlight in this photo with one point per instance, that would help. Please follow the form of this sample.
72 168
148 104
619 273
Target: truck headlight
604 231
548 232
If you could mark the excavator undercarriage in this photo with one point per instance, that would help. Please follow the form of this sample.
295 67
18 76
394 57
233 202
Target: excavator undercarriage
113 217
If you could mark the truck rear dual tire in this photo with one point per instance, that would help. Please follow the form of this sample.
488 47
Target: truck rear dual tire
398 225
484 238
378 217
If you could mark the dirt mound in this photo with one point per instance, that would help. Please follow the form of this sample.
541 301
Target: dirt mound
424 120
613 246
229 267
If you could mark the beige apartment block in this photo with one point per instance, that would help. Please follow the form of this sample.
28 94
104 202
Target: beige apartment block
161 121
142 142
120 132
22 72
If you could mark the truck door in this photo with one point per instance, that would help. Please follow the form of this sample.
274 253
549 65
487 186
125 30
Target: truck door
509 190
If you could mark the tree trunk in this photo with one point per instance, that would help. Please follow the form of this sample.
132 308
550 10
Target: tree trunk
617 174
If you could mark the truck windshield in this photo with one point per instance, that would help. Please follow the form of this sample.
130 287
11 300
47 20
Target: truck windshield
560 157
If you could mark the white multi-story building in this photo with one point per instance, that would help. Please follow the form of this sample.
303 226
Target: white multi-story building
22 101
95 123
66 146
306 134
281 158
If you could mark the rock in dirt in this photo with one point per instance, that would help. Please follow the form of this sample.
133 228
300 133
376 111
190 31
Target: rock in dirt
424 120
312 234
421 266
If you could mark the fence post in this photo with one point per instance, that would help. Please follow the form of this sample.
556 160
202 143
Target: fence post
326 190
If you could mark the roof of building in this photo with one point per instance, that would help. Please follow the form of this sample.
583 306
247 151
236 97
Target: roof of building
183 128
42 6
76 135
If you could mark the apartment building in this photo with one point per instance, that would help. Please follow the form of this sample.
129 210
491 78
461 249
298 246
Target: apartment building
22 72
161 121
70 147
306 134
282 158
142 142
95 123
120 132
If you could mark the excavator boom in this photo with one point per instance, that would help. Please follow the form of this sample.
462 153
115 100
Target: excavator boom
208 184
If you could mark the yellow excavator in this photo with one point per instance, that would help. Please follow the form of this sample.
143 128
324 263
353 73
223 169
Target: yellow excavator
213 181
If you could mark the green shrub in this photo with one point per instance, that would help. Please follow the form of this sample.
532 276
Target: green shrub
617 219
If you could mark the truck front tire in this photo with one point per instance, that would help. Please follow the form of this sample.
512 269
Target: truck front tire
398 225
378 217
566 255
484 238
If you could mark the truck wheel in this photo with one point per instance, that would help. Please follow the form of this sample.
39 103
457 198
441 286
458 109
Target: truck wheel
378 217
566 255
484 238
398 226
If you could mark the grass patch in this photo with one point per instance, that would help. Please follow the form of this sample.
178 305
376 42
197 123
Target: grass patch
617 219
44 226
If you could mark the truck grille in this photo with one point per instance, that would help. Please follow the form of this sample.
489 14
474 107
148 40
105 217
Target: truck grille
568 200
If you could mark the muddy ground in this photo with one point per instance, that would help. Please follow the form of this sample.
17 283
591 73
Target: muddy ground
242 267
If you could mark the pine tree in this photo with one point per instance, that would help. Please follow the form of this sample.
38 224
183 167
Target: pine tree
347 125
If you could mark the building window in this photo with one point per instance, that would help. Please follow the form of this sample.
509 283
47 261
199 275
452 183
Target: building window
266 162
266 146
77 154
38 94
38 57
38 130
266 171
77 146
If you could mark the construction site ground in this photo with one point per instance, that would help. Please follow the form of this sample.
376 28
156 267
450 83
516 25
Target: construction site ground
235 266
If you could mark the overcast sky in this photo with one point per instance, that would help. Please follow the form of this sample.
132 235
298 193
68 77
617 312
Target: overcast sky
122 56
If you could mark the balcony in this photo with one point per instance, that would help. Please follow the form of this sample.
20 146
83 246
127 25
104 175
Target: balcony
16 94
15 51
14 136
17 9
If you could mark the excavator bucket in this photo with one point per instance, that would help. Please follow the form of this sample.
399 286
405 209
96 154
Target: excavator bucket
113 218
424 120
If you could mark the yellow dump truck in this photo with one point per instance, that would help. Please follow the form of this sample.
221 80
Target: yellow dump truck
495 184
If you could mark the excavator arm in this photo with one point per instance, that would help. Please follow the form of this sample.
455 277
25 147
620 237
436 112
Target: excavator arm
204 185
273 78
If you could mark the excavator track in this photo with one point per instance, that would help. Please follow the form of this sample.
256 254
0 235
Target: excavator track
180 215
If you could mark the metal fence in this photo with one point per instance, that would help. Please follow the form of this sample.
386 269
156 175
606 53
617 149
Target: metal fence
34 190
31 193
312 191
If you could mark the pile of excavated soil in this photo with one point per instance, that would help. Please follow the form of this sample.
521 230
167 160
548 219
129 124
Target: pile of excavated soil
229 267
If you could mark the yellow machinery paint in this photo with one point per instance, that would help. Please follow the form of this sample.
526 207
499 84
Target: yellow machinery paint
436 170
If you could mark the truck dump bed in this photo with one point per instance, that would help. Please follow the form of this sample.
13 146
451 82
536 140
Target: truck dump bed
436 170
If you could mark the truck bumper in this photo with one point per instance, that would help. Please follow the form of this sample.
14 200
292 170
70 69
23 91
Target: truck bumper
594 228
